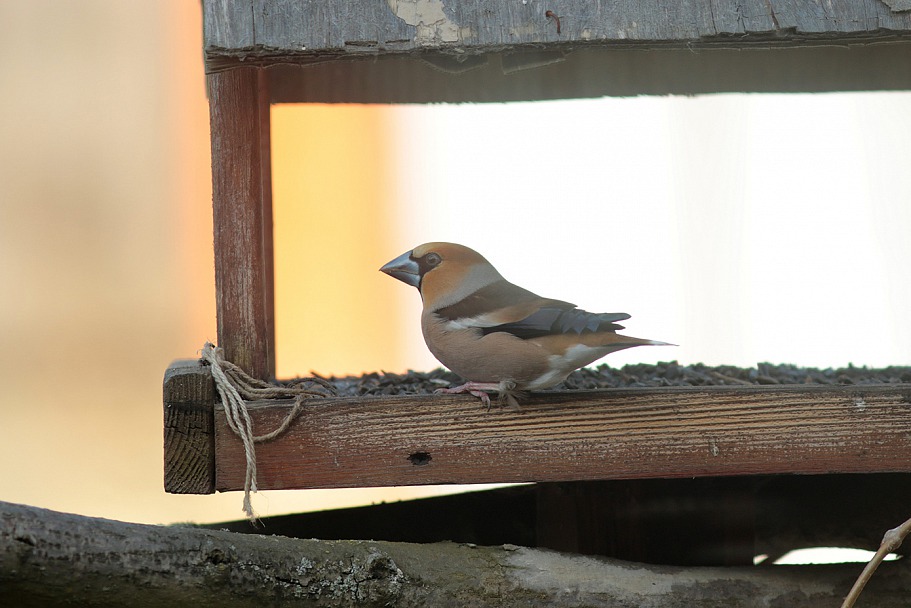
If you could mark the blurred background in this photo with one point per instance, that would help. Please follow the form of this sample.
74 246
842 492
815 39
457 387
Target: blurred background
745 228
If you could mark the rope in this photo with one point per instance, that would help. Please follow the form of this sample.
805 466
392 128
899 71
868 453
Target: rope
236 387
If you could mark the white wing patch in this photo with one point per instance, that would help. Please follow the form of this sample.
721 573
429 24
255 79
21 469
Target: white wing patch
485 320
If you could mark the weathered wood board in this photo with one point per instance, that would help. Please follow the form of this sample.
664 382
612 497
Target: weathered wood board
312 29
585 435
428 51
555 436
593 72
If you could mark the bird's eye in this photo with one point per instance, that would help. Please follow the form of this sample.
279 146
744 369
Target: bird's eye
432 259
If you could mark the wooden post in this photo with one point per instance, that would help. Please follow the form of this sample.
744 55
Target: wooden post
242 209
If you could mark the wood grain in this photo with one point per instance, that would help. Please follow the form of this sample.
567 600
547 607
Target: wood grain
242 210
290 28
374 52
189 439
584 435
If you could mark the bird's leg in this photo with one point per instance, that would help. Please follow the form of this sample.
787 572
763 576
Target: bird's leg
478 389
505 391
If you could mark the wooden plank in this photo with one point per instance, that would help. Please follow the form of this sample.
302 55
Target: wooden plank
592 72
428 51
289 29
189 438
569 436
242 209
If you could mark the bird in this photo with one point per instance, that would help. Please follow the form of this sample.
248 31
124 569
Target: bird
496 335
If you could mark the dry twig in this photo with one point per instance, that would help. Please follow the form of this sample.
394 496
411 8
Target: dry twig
892 540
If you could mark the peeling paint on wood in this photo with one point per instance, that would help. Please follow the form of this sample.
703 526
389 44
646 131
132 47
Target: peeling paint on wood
469 26
432 26
325 51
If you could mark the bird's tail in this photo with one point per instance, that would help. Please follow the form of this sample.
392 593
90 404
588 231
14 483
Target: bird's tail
631 341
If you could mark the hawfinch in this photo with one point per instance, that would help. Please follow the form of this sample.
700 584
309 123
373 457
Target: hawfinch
496 335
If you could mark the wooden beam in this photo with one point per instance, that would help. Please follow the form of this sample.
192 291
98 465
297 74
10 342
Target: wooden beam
242 208
290 30
189 438
357 52
597 71
581 435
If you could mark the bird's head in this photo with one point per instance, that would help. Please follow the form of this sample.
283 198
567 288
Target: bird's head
444 273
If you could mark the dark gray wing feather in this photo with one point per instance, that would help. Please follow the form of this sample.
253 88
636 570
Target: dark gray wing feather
552 320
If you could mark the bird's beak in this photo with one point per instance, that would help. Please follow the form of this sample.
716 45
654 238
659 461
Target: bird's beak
404 269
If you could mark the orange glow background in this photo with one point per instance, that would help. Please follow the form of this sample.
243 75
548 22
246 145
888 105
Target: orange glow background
106 253
333 214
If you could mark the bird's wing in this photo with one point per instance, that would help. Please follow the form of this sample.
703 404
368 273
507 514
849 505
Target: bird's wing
552 321
505 307
498 303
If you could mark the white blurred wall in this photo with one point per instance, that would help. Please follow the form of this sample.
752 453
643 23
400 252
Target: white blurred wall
745 228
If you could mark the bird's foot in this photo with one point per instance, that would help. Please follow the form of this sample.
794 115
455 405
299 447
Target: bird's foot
478 389
505 391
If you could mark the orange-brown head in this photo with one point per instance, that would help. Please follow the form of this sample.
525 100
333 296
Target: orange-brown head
444 273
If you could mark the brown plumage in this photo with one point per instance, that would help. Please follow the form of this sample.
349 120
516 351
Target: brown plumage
496 335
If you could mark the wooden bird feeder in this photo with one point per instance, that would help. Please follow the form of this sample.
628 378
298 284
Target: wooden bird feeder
259 52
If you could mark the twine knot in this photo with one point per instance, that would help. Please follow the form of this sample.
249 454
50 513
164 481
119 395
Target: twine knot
236 387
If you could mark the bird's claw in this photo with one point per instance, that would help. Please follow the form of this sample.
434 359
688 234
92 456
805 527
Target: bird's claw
484 397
